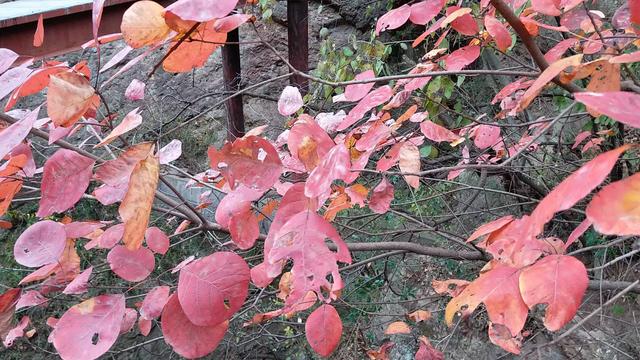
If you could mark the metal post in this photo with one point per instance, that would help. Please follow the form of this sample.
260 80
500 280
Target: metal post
231 74
298 31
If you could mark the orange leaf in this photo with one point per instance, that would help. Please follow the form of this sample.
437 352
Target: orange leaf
70 95
419 315
547 75
382 353
454 15
452 287
131 121
136 206
194 52
38 37
398 327
143 24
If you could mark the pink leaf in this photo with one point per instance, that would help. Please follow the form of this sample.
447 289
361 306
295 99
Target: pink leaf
626 58
580 138
424 11
308 142
381 197
618 105
555 53
109 238
170 152
79 284
135 90
465 24
577 232
145 326
154 302
437 133
116 58
303 239
376 134
96 16
389 159
87 330
375 98
393 19
7 57
130 265
231 22
16 332
202 10
65 178
490 227
13 135
559 281
213 288
323 330
187 339
157 240
128 321
30 298
614 210
244 229
78 229
486 136
462 57
290 101
41 244
358 91
131 121
335 165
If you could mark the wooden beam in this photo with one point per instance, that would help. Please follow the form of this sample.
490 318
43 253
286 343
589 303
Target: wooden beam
232 78
298 32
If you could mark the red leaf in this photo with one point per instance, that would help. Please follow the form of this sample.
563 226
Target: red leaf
511 88
498 32
556 52
87 330
156 240
437 133
154 302
376 134
335 165
145 326
65 177
244 229
251 161
187 339
558 281
614 210
308 142
498 290
213 288
8 300
574 188
323 330
303 239
13 135
425 11
501 336
290 101
38 37
132 266
202 10
389 159
461 20
381 197
393 19
358 91
486 136
634 10
426 351
30 298
490 227
577 232
618 105
410 163
79 284
462 57
41 244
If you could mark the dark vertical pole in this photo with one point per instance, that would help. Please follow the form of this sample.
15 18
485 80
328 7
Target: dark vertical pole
231 75
298 26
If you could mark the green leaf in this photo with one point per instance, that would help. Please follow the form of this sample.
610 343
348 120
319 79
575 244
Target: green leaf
347 51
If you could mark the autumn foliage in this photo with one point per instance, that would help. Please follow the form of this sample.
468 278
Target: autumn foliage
317 168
